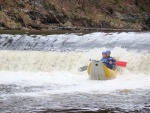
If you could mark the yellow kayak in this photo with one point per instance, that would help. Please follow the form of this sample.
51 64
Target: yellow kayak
98 71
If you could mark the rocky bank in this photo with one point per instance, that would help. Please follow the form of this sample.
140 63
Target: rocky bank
74 14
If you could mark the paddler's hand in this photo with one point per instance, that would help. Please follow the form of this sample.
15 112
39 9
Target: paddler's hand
113 58
110 62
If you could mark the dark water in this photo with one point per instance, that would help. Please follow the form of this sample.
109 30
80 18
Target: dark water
122 101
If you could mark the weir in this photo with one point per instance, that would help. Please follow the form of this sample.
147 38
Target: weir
72 42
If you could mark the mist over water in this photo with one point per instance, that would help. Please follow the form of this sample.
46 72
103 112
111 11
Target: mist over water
52 71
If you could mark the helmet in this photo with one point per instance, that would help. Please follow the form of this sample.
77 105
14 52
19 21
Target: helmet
104 52
108 51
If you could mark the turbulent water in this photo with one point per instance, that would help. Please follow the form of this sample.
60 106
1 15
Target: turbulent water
40 73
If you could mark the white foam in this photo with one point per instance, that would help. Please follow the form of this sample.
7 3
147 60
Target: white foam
64 82
70 61
58 70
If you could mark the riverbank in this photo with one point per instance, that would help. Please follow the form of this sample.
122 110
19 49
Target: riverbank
67 30
49 15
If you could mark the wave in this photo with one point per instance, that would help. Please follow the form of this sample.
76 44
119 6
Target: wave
40 61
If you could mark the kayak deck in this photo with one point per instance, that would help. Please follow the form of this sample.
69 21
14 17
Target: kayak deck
98 71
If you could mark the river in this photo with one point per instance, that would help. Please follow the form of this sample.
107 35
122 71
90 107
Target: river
39 73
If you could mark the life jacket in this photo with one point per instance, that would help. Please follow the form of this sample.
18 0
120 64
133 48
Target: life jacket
110 66
104 61
111 59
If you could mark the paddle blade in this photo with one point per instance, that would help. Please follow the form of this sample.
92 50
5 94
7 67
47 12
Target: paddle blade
82 68
120 63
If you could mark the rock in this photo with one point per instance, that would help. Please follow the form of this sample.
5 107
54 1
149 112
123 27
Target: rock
67 24
26 21
109 10
104 24
7 22
133 18
26 29
146 24
118 15
2 28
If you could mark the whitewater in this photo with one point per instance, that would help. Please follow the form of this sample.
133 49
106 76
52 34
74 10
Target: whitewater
39 73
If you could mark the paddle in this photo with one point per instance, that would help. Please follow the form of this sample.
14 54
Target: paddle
120 63
117 63
82 68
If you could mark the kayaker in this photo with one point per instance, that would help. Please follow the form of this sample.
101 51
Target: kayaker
110 60
104 58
